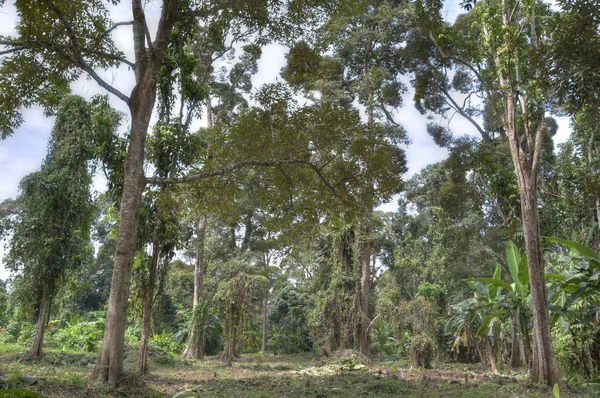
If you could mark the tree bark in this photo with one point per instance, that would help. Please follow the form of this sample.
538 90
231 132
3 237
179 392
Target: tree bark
490 351
148 304
38 341
195 344
265 303
517 353
543 367
109 364
363 336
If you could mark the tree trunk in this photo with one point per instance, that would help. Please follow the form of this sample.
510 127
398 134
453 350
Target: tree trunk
525 152
195 344
148 304
38 341
109 364
480 348
543 367
517 353
490 351
363 336
327 346
265 303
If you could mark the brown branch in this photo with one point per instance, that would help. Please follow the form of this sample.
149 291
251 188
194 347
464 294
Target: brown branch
243 164
225 170
80 61
115 26
38 44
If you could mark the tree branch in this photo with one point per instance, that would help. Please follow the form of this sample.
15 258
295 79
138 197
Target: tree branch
243 164
80 61
115 26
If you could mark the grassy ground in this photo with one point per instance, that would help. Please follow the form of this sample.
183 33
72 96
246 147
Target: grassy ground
262 375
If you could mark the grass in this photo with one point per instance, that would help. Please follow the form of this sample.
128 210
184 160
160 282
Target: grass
262 375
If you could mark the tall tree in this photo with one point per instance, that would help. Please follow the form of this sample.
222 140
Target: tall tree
59 40
57 211
356 55
576 74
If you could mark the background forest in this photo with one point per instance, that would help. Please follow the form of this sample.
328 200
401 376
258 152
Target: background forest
260 232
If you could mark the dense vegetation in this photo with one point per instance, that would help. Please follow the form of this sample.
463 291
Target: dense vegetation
259 233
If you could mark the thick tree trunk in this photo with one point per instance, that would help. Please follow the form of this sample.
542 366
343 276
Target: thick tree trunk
327 346
148 304
38 341
109 364
265 303
525 151
195 344
543 367
363 336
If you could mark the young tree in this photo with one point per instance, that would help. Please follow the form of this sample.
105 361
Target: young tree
57 211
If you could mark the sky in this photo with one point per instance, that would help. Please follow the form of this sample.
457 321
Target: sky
24 152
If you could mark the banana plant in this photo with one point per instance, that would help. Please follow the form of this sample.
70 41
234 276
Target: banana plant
574 300
504 298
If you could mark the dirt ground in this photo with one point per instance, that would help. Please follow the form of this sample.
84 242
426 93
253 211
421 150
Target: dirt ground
265 375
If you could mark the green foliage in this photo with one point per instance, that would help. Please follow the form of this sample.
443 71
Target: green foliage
43 59
80 333
287 317
574 303
382 340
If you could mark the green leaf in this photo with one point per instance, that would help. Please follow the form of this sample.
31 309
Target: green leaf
556 390
574 297
579 248
554 277
497 277
487 320
514 258
494 282
29 381
523 271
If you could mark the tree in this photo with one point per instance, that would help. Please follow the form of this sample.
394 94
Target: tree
59 40
357 55
518 60
506 55
57 210
576 76
71 39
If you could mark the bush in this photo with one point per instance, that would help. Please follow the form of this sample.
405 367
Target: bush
80 333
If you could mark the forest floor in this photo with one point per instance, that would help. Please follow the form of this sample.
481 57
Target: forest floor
60 374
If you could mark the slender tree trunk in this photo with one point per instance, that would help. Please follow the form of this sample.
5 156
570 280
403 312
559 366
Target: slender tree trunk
490 351
265 303
517 353
363 337
327 346
195 344
481 352
598 210
148 304
38 341
109 364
